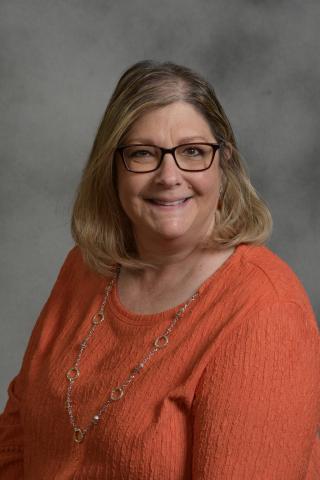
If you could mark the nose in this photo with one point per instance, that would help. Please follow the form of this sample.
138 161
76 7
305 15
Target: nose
168 173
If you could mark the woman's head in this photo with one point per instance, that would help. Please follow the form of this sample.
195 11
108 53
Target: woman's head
168 179
99 223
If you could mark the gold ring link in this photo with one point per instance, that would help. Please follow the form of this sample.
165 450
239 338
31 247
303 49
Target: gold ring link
98 318
73 374
161 341
78 435
116 394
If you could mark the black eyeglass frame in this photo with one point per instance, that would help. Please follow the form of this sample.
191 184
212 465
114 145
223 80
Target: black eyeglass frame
215 148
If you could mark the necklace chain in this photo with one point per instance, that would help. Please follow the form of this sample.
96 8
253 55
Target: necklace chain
118 392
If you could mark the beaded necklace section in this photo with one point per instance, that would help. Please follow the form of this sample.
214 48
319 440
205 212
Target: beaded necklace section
118 392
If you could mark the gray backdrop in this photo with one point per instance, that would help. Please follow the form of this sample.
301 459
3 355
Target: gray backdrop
60 62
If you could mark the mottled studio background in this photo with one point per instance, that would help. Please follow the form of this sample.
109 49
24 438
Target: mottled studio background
59 64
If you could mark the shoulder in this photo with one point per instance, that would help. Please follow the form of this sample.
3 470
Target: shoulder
74 290
74 260
72 267
76 276
258 294
269 277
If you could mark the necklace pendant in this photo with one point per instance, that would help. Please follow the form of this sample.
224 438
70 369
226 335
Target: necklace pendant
78 435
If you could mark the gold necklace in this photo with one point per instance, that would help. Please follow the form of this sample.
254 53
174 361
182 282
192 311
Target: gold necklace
118 392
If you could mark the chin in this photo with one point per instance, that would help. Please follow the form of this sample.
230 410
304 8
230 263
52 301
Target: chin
174 231
185 234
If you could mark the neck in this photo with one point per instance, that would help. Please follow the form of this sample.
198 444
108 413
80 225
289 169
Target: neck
153 289
173 267
163 252
169 257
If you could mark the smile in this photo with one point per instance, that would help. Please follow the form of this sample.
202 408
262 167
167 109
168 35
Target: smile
169 203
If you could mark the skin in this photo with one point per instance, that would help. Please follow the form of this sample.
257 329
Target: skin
169 236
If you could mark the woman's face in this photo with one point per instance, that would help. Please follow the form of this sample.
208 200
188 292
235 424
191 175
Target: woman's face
140 194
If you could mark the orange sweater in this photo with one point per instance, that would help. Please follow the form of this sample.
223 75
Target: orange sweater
235 394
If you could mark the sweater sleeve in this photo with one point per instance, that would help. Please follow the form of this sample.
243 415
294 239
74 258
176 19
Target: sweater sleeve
11 436
11 426
256 408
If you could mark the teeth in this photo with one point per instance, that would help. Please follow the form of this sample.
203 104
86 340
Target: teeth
161 202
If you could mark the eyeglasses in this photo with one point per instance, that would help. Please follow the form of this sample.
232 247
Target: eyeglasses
189 157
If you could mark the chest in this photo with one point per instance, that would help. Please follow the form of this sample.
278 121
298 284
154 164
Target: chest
147 434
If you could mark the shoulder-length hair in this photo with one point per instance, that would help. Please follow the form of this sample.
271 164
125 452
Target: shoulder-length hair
100 226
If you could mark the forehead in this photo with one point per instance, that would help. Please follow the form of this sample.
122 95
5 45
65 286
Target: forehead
176 121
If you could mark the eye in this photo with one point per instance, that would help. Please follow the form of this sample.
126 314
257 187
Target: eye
135 153
192 151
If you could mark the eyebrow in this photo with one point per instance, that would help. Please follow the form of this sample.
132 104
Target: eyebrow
148 141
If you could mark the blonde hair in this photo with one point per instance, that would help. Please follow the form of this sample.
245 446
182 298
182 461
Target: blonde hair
100 226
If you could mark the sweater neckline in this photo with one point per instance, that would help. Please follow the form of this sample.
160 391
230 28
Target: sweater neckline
134 318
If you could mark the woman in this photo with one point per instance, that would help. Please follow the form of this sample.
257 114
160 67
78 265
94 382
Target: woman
174 344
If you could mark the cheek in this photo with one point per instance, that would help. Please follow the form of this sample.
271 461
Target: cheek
208 185
129 193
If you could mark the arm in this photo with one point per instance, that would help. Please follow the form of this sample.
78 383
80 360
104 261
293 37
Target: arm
256 408
11 436
11 427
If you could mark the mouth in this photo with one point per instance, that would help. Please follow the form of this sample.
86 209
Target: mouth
168 203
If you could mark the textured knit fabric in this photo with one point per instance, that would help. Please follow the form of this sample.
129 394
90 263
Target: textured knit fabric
234 395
